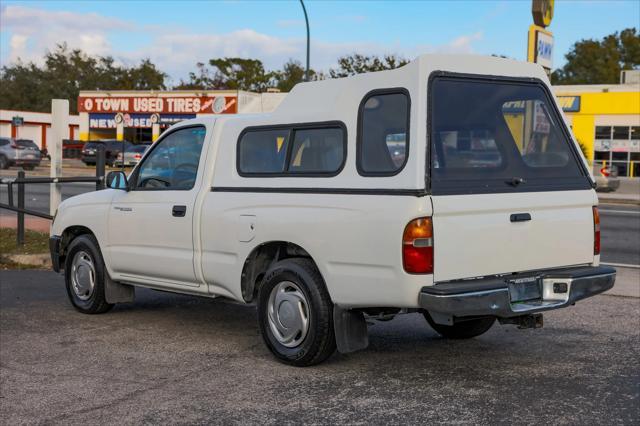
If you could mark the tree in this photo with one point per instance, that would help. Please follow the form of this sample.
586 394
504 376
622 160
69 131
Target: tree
230 74
600 61
65 72
358 64
202 79
291 74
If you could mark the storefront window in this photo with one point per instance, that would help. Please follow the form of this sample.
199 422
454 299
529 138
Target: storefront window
618 146
621 132
603 132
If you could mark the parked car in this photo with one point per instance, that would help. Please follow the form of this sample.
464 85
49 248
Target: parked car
131 156
20 152
112 148
309 213
607 179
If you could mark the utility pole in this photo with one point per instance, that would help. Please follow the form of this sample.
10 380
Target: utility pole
306 19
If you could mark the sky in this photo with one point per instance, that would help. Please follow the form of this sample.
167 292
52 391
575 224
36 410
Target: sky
176 35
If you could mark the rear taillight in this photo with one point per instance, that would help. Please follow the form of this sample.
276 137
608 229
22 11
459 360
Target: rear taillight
417 246
137 156
605 172
596 231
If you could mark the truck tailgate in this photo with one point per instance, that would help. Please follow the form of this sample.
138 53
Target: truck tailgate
474 235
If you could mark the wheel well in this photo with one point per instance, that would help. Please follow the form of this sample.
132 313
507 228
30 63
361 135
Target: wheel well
69 235
260 260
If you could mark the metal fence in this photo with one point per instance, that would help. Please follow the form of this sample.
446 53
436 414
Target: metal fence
21 180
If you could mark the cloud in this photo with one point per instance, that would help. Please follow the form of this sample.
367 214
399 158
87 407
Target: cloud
35 30
32 31
463 44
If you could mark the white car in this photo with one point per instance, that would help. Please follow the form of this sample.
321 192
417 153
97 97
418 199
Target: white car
450 187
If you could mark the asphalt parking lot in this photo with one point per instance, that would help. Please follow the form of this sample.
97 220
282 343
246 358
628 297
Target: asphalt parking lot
179 359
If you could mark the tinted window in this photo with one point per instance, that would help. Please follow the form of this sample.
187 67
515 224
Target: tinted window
263 151
620 132
635 132
317 151
4 142
26 143
173 163
496 137
383 141
603 132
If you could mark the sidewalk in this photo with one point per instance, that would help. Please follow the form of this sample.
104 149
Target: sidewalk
33 223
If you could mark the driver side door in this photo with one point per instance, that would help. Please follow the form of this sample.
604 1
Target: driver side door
151 225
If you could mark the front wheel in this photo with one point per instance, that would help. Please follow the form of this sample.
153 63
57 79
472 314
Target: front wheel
84 274
295 313
463 329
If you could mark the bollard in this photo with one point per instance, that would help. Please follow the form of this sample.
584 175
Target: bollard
20 229
100 165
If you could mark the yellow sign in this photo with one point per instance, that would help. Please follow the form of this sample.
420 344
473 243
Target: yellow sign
542 11
540 46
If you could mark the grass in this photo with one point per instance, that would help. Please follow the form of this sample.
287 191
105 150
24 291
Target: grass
34 243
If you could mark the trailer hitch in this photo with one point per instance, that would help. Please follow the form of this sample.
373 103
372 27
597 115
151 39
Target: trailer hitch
524 321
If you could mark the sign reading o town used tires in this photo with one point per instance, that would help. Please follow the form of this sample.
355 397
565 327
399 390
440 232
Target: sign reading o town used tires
219 104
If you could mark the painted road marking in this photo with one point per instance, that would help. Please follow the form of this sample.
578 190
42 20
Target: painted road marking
620 211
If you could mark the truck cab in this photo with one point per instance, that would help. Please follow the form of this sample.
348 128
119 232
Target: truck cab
451 187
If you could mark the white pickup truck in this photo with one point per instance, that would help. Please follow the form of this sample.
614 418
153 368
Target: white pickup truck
451 187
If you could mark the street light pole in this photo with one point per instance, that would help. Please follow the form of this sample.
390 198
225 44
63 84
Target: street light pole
306 19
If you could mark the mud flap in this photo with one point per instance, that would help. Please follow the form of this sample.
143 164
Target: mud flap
350 329
115 292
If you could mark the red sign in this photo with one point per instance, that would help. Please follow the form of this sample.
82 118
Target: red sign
166 105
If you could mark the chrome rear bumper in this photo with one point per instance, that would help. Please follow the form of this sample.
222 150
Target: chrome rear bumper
502 296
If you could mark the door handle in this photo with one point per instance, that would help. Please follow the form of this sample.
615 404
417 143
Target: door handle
520 217
179 211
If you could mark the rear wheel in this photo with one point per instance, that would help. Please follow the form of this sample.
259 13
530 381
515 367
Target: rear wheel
463 329
295 313
4 163
84 274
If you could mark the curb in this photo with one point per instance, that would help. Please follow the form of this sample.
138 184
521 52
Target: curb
40 260
627 201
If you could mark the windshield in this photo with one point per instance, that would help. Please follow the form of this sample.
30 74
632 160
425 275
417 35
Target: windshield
489 136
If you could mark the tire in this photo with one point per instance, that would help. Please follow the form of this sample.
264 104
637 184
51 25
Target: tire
302 293
84 274
29 167
4 163
461 330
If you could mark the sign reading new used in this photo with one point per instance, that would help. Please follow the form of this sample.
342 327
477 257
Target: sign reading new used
108 121
163 105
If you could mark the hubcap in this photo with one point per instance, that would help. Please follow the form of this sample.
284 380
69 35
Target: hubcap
288 314
83 275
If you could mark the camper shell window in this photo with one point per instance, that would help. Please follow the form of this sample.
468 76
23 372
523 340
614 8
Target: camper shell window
383 132
489 136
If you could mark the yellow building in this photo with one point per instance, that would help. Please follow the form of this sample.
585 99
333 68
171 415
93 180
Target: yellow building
606 120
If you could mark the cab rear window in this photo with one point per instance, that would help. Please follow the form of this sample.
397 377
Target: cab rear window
315 149
490 136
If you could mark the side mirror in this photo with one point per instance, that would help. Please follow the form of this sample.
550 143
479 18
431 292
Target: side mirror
117 180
